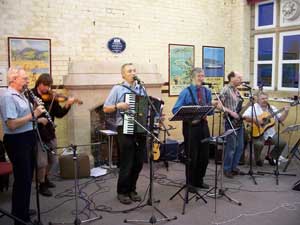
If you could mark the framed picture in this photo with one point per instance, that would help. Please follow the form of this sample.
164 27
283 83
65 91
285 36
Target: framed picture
32 54
181 62
213 63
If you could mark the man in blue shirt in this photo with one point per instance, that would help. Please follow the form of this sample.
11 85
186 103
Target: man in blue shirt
132 147
19 139
196 94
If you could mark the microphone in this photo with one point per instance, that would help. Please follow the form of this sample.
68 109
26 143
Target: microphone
208 84
246 85
137 79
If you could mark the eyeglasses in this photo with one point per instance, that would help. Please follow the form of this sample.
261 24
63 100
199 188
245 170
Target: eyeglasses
131 70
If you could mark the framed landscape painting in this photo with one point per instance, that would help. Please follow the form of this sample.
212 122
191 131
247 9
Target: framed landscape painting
181 62
32 54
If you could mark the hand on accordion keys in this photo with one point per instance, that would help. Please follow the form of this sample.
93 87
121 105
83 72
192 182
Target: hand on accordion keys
129 112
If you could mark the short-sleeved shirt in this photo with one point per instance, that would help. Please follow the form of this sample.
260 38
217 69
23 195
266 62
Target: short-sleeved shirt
14 105
117 94
230 97
258 110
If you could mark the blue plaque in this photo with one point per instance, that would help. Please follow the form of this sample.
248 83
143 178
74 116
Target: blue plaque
116 45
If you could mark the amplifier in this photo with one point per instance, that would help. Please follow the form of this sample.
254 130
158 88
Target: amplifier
66 164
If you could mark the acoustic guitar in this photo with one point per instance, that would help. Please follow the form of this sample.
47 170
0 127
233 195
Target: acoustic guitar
268 121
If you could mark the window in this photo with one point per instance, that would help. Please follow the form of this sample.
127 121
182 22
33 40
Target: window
289 61
265 15
264 57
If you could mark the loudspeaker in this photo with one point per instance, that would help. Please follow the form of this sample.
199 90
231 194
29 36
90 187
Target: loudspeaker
66 164
296 186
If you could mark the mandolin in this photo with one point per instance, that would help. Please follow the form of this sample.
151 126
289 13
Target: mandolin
268 121
156 151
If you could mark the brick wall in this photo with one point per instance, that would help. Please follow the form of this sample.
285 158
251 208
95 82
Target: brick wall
79 30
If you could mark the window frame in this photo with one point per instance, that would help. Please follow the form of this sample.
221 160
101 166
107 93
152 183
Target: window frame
257 16
257 62
281 61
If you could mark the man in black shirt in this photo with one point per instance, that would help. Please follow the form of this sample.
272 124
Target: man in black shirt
47 131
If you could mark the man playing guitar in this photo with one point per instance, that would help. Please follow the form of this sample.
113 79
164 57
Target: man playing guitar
262 111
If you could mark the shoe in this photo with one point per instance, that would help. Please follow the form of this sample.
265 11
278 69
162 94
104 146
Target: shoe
193 190
203 186
228 174
134 196
237 171
259 163
32 212
44 190
272 161
124 199
49 184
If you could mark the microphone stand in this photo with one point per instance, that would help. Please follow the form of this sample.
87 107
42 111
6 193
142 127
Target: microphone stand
150 201
253 113
38 140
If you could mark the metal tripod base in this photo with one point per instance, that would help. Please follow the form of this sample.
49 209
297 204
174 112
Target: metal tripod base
152 219
222 192
186 199
276 173
78 221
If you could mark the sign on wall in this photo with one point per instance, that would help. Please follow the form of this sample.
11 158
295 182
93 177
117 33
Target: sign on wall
181 63
213 63
116 45
32 54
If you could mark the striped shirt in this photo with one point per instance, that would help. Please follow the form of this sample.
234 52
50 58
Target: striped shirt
230 97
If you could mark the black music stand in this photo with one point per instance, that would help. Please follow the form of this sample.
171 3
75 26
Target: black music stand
221 191
188 114
295 150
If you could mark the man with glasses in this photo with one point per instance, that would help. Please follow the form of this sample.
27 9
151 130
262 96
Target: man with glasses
19 139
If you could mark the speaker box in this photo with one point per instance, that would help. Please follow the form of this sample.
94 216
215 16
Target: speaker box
296 186
169 150
66 164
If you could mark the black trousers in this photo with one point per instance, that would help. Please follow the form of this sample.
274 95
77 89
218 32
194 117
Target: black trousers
199 152
20 150
132 149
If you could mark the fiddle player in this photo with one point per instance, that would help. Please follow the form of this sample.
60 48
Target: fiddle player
45 158
19 139
132 147
261 107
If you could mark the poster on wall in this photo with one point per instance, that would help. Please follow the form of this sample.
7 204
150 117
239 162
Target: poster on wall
181 62
32 54
213 63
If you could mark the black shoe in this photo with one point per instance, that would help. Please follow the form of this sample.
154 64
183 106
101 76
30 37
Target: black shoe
272 161
228 174
237 171
32 212
134 196
124 199
259 163
49 184
44 190
203 186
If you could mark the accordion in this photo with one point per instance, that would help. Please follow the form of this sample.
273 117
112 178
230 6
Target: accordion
139 105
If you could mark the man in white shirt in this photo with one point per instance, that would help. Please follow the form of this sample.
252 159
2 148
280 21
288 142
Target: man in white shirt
261 107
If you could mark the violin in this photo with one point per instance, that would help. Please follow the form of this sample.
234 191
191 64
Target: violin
58 97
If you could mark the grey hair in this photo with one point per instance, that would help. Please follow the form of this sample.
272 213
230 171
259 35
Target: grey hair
13 73
196 70
124 65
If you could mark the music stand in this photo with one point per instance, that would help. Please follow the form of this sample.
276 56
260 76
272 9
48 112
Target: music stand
295 148
187 114
77 220
216 141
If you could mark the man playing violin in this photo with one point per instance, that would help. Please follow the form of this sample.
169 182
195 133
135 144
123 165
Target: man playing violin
261 107
45 158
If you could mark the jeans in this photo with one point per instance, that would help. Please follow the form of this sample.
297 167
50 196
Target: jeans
234 147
